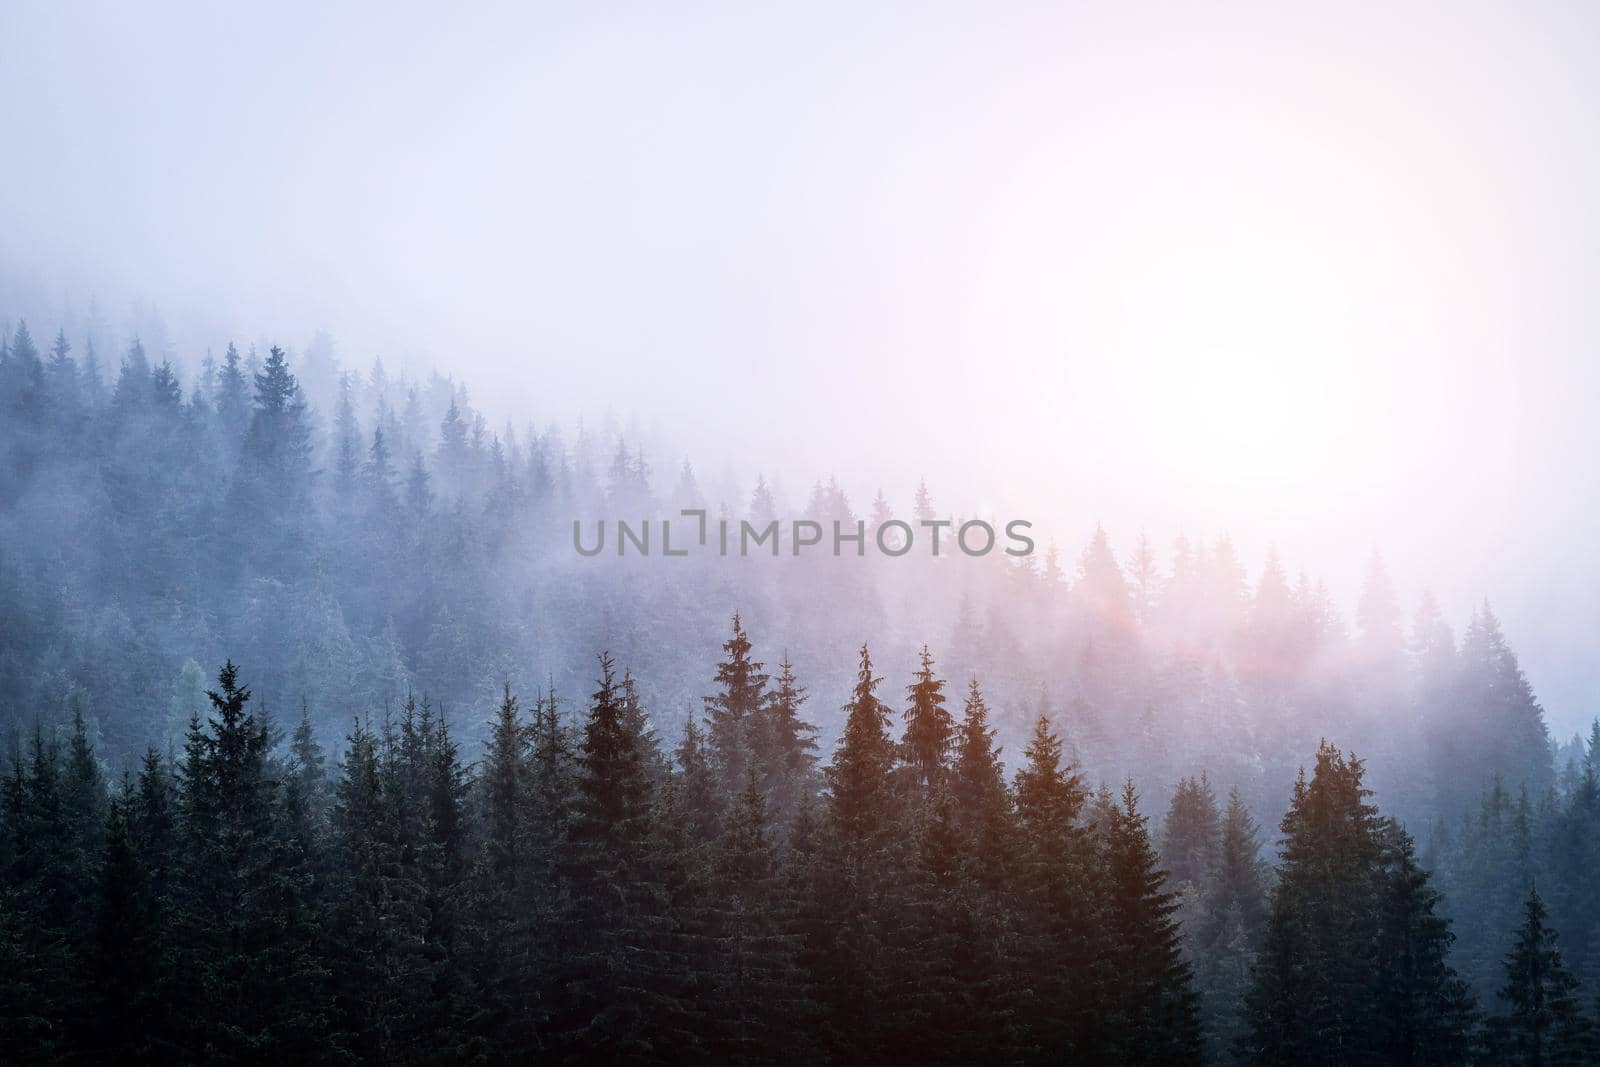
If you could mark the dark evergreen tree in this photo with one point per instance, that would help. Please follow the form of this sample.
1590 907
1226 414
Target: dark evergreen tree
1312 993
127 950
243 961
1066 965
733 713
1192 837
1154 1009
787 747
858 777
1543 1022
929 727
978 791
1424 1013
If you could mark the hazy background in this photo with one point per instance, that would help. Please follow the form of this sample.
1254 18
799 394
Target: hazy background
1318 279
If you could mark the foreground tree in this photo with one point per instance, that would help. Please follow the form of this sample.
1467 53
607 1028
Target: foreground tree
1152 997
1353 967
1543 1023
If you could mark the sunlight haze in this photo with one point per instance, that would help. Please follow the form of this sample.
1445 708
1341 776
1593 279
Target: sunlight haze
1324 281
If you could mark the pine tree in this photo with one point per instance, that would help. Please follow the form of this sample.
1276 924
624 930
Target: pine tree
154 826
132 391
1154 1008
346 441
23 381
1543 1023
62 381
1066 1015
1225 937
858 776
378 474
620 966
763 508
1424 1013
1506 724
1144 580
233 401
243 959
787 746
757 999
126 949
505 767
732 713
280 437
1192 837
1312 997
929 727
454 452
382 967
922 505
165 392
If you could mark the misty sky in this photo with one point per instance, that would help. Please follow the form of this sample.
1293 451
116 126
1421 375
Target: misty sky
1324 280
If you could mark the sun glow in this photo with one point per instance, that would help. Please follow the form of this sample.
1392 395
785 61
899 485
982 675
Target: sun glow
1245 385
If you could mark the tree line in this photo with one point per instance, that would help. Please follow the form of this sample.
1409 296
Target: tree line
375 534
586 891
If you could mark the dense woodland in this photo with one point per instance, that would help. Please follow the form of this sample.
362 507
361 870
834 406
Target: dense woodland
374 851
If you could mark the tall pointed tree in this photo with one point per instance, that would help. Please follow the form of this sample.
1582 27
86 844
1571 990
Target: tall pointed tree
1543 1022
732 712
929 727
859 774
1151 996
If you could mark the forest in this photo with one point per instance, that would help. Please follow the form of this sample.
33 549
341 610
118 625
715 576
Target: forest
323 745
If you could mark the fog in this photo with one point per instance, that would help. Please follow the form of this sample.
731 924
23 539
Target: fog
1320 282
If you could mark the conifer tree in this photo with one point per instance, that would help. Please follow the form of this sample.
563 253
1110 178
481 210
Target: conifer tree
1424 1013
858 775
732 714
153 824
62 381
1192 836
922 505
978 789
787 747
1233 913
758 1000
378 473
346 441
1311 1001
1065 1011
1543 1021
126 947
621 964
382 967
1153 1005
929 727
233 400
243 957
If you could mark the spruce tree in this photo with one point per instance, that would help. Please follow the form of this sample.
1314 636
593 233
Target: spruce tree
1064 970
1424 1013
787 748
1192 837
858 777
1153 1005
1543 1022
732 714
620 996
929 727
1312 999
383 967
982 803
758 999
243 956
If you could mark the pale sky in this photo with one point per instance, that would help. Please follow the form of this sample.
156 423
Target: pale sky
1322 278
